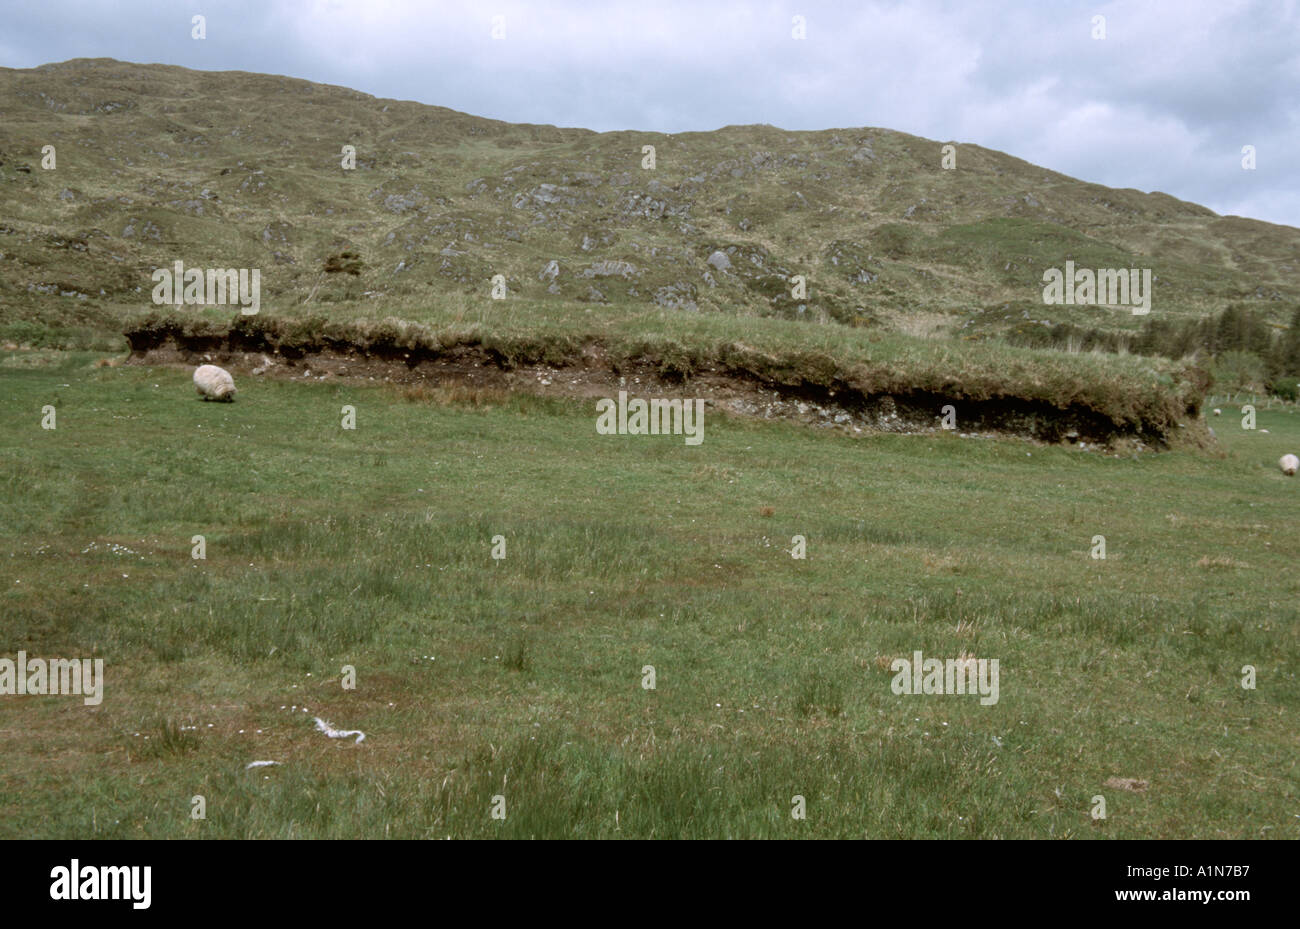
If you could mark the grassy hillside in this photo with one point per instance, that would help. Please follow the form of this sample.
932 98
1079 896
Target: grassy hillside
228 169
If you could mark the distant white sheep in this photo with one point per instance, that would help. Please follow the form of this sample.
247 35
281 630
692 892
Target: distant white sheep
1218 412
1289 464
214 383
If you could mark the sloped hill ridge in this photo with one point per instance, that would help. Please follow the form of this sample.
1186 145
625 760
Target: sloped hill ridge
229 169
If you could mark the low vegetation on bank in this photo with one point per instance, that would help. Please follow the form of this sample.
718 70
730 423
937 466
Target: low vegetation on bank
1135 395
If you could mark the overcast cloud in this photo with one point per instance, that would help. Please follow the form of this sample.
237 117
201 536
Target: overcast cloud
1165 102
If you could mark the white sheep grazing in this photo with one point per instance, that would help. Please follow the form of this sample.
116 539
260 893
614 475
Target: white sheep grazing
1218 412
214 383
1289 464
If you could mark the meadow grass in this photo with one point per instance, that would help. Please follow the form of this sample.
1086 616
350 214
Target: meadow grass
522 677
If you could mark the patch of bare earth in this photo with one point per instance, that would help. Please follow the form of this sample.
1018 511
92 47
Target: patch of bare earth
478 371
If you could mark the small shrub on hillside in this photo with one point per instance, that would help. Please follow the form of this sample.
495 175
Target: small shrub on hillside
1288 388
1239 371
344 263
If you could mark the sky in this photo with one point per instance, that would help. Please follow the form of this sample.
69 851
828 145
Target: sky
1167 100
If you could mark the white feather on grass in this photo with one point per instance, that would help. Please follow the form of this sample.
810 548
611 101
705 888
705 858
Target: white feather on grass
333 733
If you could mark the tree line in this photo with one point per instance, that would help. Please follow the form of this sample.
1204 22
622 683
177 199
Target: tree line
1243 350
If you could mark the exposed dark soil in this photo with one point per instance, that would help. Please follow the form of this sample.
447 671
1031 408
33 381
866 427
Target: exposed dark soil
594 375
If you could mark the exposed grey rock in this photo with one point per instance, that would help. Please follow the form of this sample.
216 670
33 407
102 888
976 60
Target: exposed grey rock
402 203
193 207
679 296
621 269
720 261
546 193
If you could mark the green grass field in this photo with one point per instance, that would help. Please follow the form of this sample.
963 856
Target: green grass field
522 677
